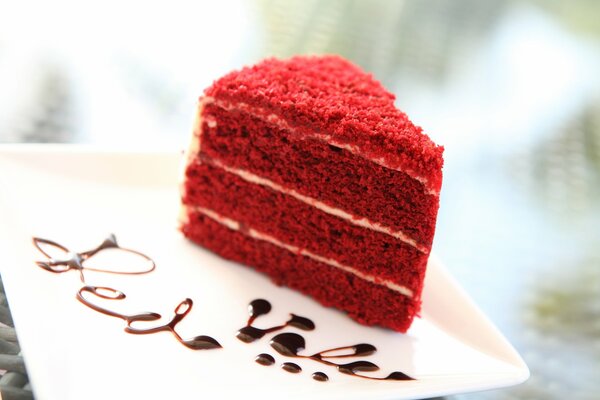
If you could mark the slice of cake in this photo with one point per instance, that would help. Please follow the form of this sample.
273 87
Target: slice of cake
305 170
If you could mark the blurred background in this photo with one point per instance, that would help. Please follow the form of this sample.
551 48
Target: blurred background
511 88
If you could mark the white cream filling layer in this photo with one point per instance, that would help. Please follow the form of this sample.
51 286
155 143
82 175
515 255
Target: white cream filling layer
235 226
362 222
274 119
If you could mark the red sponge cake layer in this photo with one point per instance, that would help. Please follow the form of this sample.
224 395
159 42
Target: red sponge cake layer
305 170
298 224
307 165
331 96
386 307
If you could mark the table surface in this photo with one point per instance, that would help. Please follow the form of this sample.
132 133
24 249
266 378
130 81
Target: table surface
509 87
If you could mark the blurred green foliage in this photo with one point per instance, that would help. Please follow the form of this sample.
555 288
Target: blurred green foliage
568 305
582 16
387 38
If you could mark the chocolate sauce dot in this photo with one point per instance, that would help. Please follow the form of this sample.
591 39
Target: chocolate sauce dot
301 323
357 366
320 376
291 367
201 343
249 334
259 307
288 344
364 349
265 359
398 376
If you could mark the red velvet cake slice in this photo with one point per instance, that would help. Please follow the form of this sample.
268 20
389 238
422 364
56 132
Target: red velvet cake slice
306 171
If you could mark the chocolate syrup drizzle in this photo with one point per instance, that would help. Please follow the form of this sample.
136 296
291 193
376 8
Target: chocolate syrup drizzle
75 261
258 307
290 344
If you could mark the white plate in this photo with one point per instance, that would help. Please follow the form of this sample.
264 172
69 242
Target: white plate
77 195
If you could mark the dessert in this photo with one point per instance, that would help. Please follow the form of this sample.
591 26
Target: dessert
304 169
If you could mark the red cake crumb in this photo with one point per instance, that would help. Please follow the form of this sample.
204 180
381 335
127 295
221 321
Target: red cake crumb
252 205
304 170
385 308
308 165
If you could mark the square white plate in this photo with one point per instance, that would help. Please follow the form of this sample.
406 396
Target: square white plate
77 195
